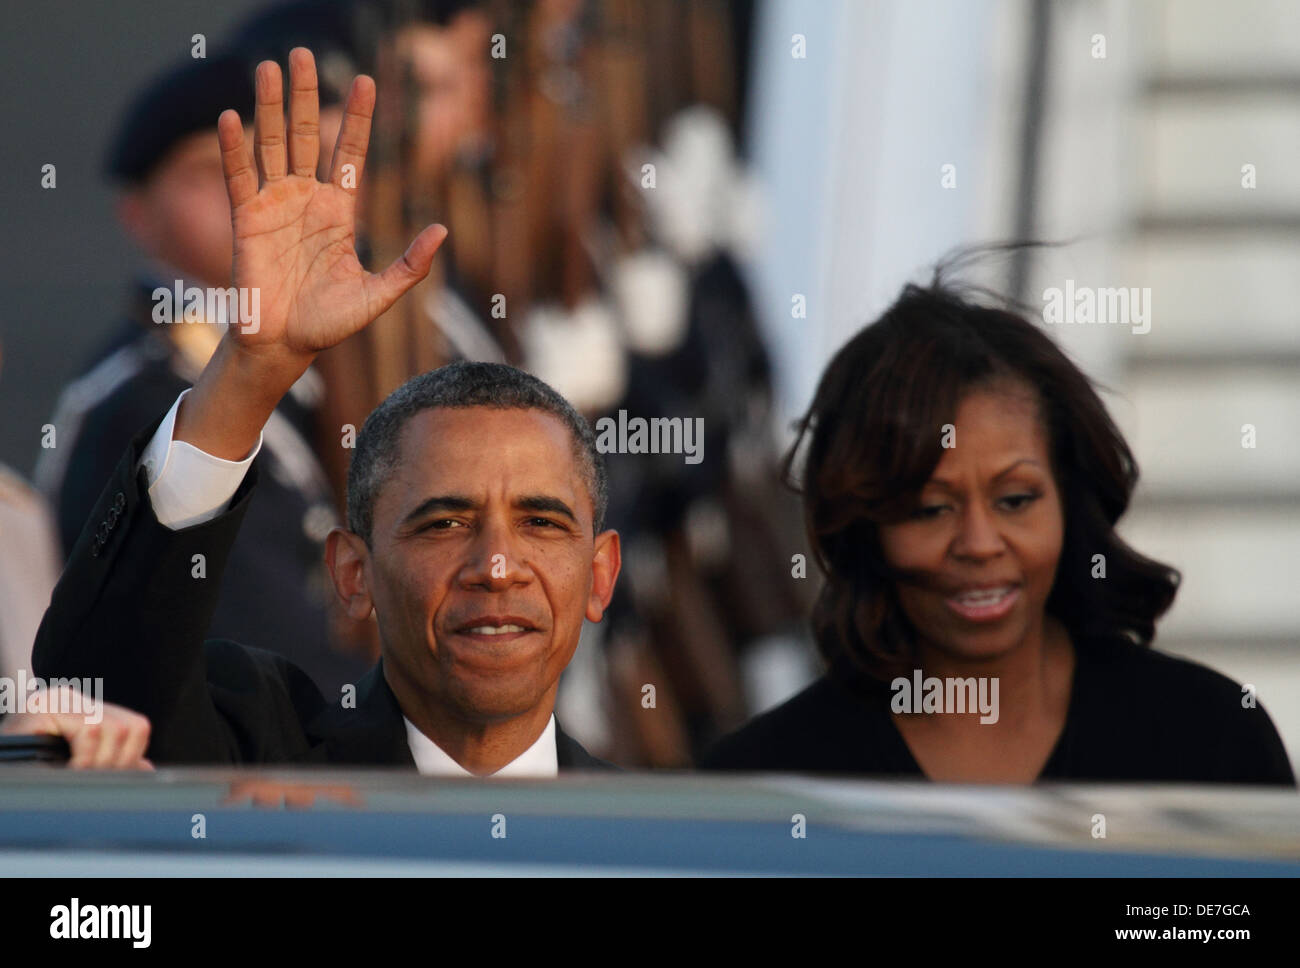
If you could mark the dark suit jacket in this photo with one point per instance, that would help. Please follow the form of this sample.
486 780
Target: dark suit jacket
272 593
1135 715
129 609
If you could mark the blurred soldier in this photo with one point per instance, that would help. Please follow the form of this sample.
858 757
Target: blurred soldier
172 203
429 58
29 567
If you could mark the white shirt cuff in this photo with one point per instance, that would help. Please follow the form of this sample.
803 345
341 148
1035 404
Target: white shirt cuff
188 486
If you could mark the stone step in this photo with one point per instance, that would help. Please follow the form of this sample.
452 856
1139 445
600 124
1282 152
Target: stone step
1190 155
1199 37
1185 426
1238 566
1218 296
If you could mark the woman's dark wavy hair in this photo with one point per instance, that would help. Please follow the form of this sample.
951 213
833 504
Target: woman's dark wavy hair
872 441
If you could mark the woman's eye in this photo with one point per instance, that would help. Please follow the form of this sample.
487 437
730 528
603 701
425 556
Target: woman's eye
1015 502
928 511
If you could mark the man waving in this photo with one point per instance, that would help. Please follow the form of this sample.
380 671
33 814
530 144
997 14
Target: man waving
475 511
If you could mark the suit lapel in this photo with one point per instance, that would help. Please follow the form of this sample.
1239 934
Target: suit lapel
570 755
372 734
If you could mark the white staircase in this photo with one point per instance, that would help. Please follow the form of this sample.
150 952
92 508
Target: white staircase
1216 87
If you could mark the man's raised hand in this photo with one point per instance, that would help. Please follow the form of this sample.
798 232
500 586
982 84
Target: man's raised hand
294 235
295 243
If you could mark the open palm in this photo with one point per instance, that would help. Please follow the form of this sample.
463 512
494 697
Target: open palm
294 235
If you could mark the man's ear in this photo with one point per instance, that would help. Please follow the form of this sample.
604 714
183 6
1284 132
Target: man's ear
605 565
347 556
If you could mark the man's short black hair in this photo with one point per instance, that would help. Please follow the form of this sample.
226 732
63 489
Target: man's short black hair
459 386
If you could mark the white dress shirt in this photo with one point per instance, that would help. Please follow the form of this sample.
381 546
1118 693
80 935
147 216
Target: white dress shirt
188 486
538 760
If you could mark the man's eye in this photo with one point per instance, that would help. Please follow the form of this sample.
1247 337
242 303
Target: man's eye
442 524
544 522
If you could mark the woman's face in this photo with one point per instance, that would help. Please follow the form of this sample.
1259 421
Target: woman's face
980 551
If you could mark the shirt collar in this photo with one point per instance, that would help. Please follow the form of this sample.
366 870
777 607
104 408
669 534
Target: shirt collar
540 759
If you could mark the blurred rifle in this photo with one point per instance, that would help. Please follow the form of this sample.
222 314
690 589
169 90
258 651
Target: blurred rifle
364 369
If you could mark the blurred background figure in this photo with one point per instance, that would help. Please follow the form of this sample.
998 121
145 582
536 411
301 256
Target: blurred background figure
166 165
680 209
29 566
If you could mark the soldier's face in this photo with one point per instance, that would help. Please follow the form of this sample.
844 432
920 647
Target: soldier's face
449 66
181 215
483 564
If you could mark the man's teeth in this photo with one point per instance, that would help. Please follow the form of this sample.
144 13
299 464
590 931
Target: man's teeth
494 629
986 596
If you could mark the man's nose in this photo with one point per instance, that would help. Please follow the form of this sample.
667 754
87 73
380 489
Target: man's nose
493 560
977 533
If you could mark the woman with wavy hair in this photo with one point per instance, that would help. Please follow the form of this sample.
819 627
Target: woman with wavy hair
981 619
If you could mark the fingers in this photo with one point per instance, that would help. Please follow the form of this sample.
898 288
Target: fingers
304 113
291 795
354 135
101 736
405 272
83 744
134 742
274 154
99 749
236 159
117 742
268 124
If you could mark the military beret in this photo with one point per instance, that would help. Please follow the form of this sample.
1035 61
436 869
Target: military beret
333 30
187 97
